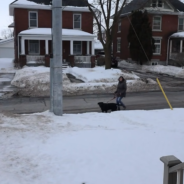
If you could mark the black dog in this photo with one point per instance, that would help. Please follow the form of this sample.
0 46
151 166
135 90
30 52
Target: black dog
107 106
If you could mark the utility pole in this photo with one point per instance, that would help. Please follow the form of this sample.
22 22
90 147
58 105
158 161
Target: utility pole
57 57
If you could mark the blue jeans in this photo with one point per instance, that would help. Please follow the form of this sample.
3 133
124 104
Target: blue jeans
119 102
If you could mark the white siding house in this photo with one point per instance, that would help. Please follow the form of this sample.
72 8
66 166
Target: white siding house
7 48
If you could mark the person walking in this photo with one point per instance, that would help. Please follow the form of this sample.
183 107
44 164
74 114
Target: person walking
121 92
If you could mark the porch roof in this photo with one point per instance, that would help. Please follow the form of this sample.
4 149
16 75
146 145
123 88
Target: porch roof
67 34
177 35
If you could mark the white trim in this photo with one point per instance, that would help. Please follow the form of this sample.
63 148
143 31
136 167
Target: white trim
38 48
87 47
71 47
92 48
36 19
46 47
160 23
45 7
80 20
22 46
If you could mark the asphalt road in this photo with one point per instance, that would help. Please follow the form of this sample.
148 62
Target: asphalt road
169 83
88 103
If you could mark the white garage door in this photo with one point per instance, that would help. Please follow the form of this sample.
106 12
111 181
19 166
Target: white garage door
6 52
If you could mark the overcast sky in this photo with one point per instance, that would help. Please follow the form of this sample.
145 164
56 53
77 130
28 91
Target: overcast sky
4 14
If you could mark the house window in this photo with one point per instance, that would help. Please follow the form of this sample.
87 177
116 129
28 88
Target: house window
157 22
180 24
33 19
175 46
77 21
77 47
157 3
34 47
157 46
118 44
119 27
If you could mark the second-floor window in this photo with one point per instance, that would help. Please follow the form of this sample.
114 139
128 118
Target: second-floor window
180 24
157 22
118 44
77 21
33 19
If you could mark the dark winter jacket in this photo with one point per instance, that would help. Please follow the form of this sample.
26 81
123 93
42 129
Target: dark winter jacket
121 89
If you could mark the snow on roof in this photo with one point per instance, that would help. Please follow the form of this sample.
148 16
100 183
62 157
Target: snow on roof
177 35
98 44
6 40
47 31
32 5
25 2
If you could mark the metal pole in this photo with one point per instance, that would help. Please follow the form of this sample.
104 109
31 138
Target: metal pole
57 57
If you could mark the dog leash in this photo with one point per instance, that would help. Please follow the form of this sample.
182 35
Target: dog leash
111 99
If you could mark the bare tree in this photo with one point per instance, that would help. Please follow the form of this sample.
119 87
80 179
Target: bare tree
7 33
106 14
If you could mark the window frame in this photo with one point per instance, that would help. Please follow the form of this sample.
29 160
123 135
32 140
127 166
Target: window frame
73 48
179 25
156 4
119 27
160 23
74 20
36 19
118 46
160 39
38 47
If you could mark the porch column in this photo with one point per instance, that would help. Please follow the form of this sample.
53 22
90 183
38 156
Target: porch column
181 46
71 47
87 47
46 47
22 46
170 52
92 48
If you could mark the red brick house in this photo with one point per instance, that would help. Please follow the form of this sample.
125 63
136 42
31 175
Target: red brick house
33 34
166 18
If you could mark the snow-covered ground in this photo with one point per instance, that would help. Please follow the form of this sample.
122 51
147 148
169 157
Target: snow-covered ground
91 148
7 65
35 81
160 69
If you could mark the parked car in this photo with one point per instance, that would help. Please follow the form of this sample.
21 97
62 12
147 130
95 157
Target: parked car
100 57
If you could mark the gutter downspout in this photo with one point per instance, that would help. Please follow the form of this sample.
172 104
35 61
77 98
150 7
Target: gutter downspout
168 43
18 47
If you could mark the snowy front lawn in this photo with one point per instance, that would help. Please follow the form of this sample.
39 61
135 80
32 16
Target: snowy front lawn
91 148
7 65
160 69
35 81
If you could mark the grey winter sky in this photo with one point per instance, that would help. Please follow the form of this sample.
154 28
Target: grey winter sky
4 14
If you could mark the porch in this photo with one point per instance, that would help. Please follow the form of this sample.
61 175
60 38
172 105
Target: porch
176 49
35 45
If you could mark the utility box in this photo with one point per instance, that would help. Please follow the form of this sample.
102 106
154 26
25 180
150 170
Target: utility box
173 170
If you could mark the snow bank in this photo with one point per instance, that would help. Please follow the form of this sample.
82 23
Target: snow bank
7 65
160 69
94 148
168 70
35 81
99 74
